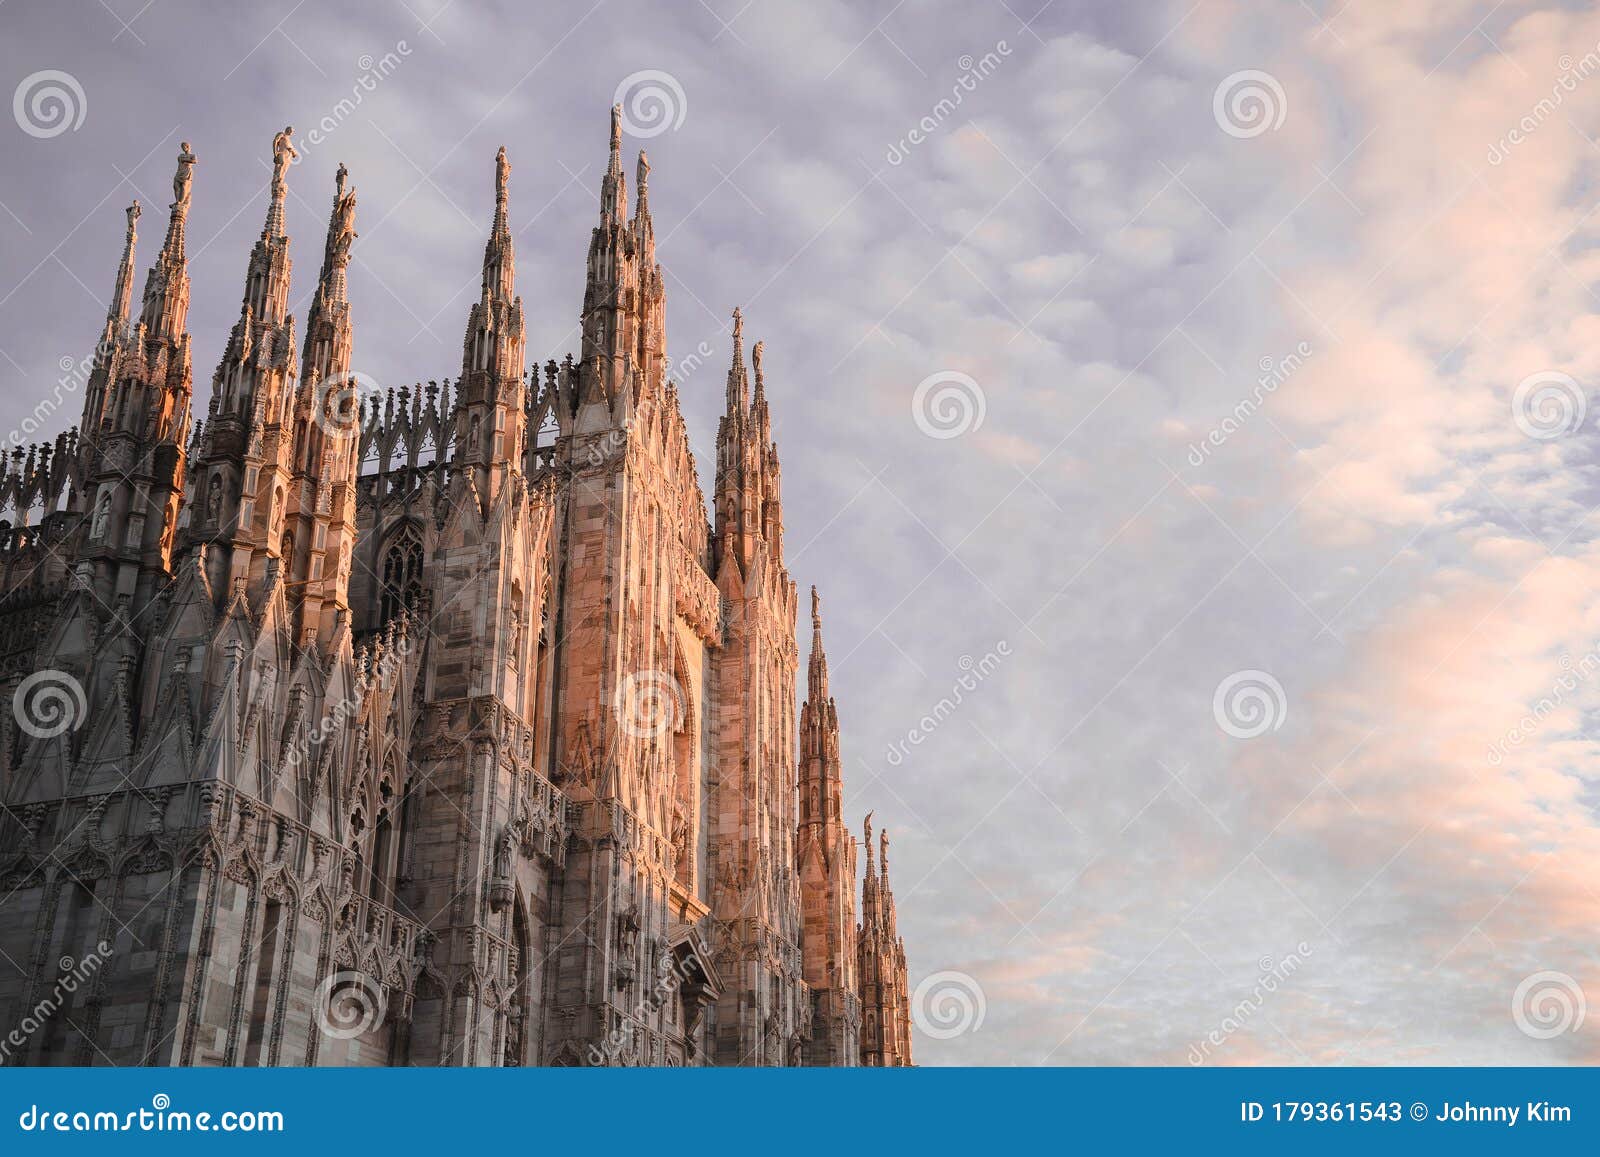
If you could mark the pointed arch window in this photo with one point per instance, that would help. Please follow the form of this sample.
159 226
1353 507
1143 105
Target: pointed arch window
402 573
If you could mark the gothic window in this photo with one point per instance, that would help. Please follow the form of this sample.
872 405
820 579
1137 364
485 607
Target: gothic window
402 573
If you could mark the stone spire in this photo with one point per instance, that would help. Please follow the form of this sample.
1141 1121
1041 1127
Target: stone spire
742 480
738 380
122 296
825 855
247 453
283 155
166 290
885 996
131 450
489 399
624 302
320 530
327 353
613 189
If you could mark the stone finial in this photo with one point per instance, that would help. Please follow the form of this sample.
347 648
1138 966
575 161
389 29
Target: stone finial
502 175
816 609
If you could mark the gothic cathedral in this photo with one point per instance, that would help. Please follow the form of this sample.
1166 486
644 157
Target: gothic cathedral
439 726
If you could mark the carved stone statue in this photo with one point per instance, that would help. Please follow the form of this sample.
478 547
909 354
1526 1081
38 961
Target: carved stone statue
284 154
133 212
502 176
182 178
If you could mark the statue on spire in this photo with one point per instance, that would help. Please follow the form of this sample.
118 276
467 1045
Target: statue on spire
284 154
502 174
816 602
133 212
342 229
183 177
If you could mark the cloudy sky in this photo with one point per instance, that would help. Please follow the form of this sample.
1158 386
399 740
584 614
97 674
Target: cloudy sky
1193 396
